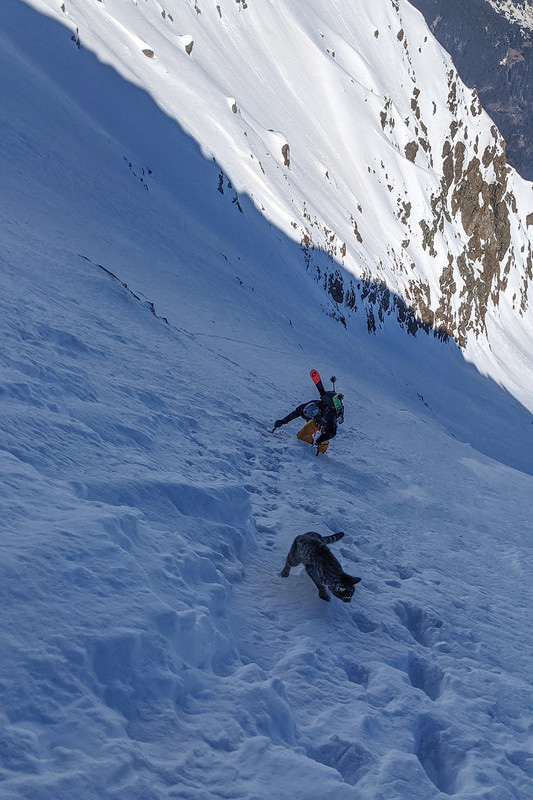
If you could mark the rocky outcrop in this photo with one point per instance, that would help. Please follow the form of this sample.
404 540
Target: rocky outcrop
469 231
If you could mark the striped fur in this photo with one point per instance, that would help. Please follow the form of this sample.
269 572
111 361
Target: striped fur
310 549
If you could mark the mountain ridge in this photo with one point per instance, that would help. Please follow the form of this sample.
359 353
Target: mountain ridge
441 221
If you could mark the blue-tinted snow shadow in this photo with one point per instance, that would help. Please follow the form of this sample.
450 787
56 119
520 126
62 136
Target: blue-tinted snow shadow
471 407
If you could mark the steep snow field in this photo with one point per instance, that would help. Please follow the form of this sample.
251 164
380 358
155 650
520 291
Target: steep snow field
311 112
149 648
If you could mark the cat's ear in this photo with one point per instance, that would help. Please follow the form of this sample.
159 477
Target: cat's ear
353 580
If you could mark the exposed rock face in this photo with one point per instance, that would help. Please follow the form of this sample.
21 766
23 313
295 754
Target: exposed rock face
472 236
491 43
468 235
476 197
482 207
411 150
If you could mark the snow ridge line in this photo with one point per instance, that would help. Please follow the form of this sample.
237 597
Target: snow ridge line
125 286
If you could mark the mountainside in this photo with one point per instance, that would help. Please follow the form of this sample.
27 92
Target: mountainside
332 122
155 320
491 44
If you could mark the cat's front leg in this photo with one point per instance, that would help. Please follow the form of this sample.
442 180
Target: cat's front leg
293 559
320 586
286 570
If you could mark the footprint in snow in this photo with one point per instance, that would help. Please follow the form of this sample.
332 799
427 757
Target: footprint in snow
425 675
423 626
364 623
440 752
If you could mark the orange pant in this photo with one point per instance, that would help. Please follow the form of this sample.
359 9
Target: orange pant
306 435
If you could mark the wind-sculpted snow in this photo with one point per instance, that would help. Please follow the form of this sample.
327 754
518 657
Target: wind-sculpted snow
150 337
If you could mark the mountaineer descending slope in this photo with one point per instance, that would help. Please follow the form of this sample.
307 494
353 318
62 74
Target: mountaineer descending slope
322 416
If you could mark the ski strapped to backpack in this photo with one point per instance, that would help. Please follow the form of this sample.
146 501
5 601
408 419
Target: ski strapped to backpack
315 377
332 398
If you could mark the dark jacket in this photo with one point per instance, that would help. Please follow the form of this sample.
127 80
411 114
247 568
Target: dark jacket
326 420
321 412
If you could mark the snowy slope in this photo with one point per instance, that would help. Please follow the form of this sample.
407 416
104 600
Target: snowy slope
348 127
149 648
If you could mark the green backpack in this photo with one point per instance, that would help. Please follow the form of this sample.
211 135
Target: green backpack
337 403
334 400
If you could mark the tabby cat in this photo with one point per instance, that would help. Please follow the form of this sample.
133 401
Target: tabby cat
321 565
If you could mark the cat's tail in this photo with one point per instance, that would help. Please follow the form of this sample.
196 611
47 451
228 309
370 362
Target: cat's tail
333 538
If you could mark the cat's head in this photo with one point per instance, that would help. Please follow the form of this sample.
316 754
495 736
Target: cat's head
344 588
